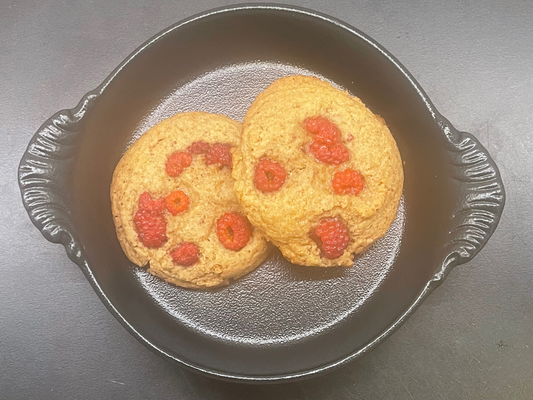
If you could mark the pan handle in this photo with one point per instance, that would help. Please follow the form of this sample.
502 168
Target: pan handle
45 174
480 200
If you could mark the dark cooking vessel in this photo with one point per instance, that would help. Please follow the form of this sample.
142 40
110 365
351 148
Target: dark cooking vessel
281 321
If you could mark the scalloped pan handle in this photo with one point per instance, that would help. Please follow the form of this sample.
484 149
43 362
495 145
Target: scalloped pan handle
44 172
480 201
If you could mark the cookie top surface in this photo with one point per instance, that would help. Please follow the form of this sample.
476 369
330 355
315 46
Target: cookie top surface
274 129
144 171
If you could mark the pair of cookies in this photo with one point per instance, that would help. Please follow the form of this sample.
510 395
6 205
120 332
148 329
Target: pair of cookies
311 169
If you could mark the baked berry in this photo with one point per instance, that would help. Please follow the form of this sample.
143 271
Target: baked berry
332 237
219 153
233 231
348 181
177 162
147 203
199 147
324 130
269 176
177 202
334 154
186 254
150 224
326 146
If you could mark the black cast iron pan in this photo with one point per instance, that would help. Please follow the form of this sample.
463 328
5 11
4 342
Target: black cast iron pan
281 321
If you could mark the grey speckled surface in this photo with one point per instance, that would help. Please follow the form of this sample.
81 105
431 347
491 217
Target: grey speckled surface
472 339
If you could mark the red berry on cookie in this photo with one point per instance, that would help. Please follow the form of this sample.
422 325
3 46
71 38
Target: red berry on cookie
177 202
186 254
326 146
335 154
177 162
219 153
149 222
199 147
348 181
332 237
233 231
269 176
324 130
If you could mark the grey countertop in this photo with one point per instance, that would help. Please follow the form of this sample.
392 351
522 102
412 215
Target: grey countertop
471 339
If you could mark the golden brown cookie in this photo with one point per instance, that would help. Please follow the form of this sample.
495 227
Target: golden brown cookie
317 172
174 207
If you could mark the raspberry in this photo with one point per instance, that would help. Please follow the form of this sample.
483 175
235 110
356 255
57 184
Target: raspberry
149 222
177 162
185 254
199 147
347 182
332 237
325 131
219 153
269 176
148 204
233 231
176 202
326 146
335 154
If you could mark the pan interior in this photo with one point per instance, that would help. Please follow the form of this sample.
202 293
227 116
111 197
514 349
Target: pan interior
283 302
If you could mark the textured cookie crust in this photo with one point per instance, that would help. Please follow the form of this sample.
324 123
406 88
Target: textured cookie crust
273 128
209 187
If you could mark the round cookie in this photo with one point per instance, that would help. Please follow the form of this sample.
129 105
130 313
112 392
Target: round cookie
182 166
317 172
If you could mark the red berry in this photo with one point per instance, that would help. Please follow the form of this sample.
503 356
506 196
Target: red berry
335 154
326 145
348 181
219 153
185 254
269 176
324 130
177 162
146 203
149 222
199 147
332 237
177 202
233 231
